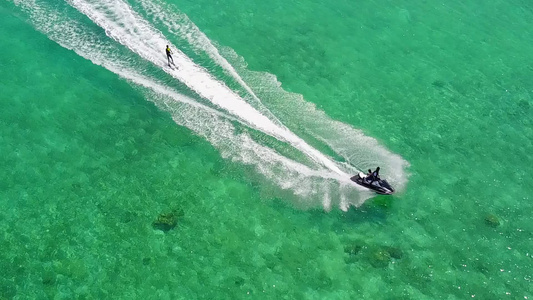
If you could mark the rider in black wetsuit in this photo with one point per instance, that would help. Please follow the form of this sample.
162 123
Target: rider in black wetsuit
375 175
169 56
372 176
368 176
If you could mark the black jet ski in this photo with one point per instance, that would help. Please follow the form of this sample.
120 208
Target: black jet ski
379 186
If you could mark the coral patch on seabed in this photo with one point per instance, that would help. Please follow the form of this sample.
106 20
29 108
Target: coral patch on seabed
380 258
394 252
376 255
168 221
351 250
492 220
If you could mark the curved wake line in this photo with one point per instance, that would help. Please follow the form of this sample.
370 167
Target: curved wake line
67 34
181 25
216 126
126 27
350 143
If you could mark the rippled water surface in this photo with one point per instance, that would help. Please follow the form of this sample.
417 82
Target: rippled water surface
226 176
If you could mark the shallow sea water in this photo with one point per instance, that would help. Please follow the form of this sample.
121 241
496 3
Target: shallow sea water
89 160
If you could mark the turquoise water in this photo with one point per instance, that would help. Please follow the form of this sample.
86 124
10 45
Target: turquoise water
98 138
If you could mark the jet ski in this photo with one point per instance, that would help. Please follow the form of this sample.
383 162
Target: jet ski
380 186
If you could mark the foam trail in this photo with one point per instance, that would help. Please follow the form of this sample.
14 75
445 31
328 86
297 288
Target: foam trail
101 53
341 138
181 25
350 143
302 180
125 26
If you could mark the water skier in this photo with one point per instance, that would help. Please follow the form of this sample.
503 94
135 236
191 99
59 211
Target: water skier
169 56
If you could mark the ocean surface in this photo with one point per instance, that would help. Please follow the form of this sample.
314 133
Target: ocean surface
226 175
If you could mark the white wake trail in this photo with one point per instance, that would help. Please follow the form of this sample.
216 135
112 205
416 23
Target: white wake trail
350 143
122 24
346 141
179 24
215 126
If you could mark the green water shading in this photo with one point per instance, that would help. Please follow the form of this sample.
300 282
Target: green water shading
88 164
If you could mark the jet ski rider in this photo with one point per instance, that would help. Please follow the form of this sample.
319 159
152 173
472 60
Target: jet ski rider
373 175
169 55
